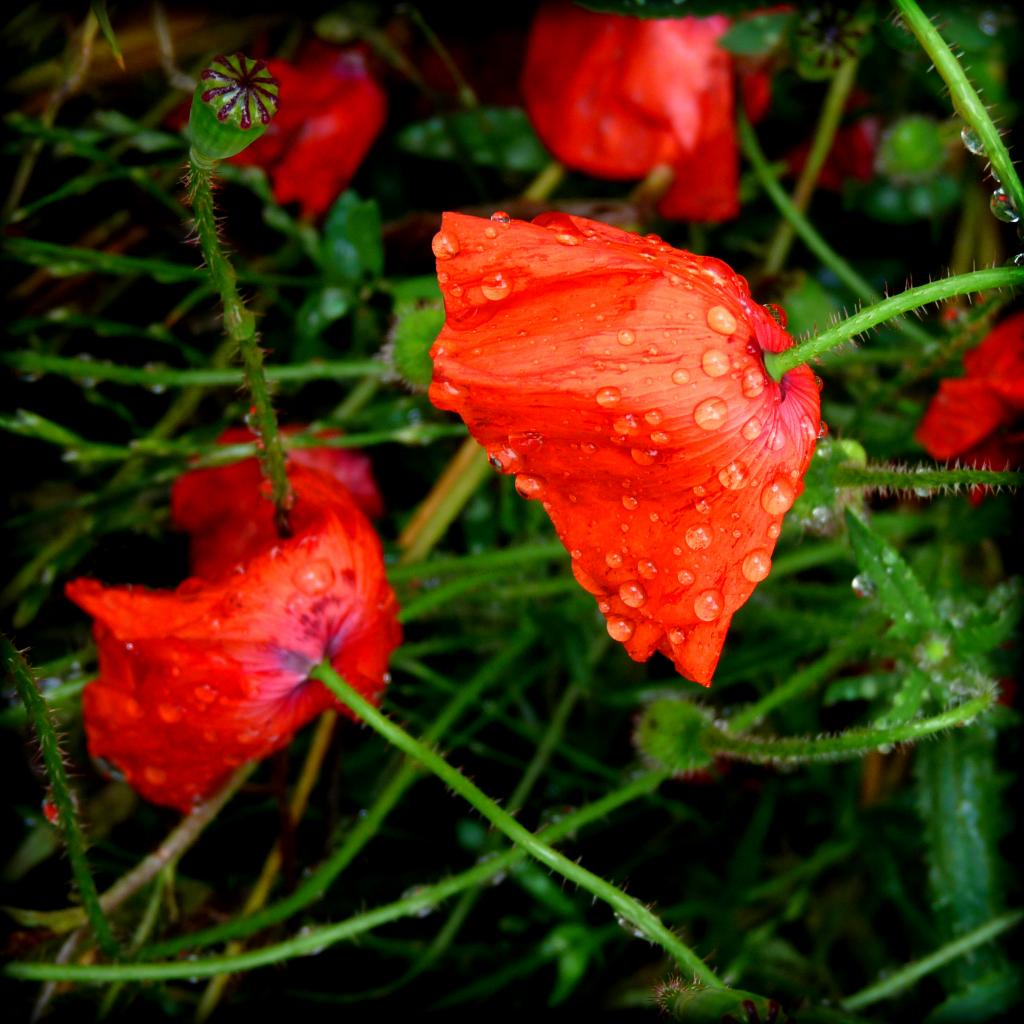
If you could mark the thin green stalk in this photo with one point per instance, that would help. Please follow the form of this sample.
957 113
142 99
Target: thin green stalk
900 980
313 941
240 327
513 558
921 477
17 668
778 363
852 743
633 911
821 145
966 100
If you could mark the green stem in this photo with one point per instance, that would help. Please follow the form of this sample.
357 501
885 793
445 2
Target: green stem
38 711
313 941
633 911
240 327
900 980
852 743
778 363
821 145
965 99
921 477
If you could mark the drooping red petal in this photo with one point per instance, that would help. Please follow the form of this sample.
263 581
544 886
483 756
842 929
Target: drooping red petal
196 681
999 360
622 382
961 415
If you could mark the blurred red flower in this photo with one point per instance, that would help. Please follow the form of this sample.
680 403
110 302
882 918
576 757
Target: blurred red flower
196 681
330 113
616 96
205 503
851 158
622 382
977 418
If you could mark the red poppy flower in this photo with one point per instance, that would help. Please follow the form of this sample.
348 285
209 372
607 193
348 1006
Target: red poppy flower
196 681
331 111
622 382
976 418
851 158
616 96
206 503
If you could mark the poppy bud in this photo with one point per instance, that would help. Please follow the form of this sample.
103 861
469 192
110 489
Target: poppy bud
234 101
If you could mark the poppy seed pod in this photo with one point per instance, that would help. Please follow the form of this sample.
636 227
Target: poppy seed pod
623 383
234 101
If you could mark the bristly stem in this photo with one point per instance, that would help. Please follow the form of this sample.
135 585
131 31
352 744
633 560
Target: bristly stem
965 98
633 912
240 327
779 363
17 668
922 477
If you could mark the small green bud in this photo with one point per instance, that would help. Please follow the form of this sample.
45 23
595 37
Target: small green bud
912 149
235 100
669 734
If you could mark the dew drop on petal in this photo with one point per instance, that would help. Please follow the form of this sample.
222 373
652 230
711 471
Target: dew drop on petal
732 477
626 337
715 362
619 628
629 502
313 577
707 605
529 486
698 538
613 559
752 383
685 578
643 457
721 320
756 565
154 776
445 245
659 437
653 417
632 594
495 287
752 429
501 217
710 414
680 376
170 713
627 424
676 636
774 530
778 496
608 396
647 569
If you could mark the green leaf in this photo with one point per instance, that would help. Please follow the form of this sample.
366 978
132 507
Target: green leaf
499 137
990 627
351 250
899 591
99 10
756 35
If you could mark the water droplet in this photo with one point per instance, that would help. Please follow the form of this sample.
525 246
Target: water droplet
698 538
778 496
567 239
710 414
774 530
863 586
752 383
627 424
721 320
676 636
715 362
608 396
445 245
680 376
170 713
1002 207
752 429
205 694
707 605
495 287
501 217
632 594
647 569
613 559
703 507
643 457
629 502
659 437
314 577
619 628
756 565
626 337
733 477
685 578
529 486
490 232
653 417
972 141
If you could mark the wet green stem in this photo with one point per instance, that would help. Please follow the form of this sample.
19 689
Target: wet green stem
966 100
922 478
240 327
16 668
779 363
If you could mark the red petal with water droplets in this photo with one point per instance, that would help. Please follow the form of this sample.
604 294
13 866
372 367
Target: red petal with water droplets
622 381
196 681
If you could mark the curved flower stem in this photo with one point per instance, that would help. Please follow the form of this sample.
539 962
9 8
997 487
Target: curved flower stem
824 135
922 477
547 180
634 912
240 327
852 743
315 940
965 99
900 980
16 668
778 363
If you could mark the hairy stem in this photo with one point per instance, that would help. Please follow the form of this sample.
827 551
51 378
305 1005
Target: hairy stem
914 477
